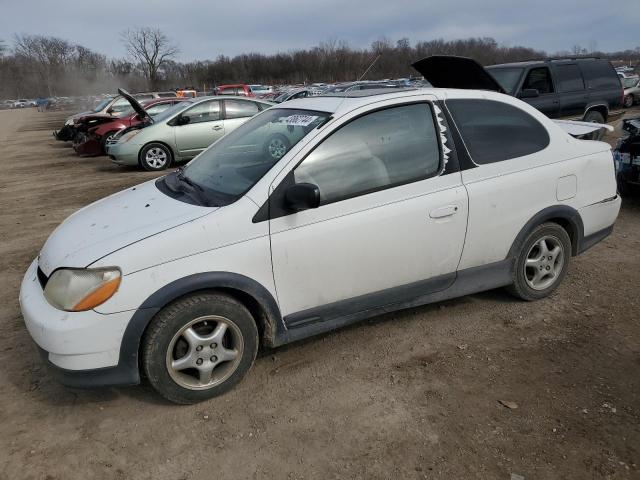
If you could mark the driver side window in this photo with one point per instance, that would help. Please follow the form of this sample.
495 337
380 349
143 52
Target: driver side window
383 149
539 79
204 112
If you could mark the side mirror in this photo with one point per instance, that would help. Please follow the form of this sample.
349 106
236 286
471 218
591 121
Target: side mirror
110 110
183 120
302 196
529 93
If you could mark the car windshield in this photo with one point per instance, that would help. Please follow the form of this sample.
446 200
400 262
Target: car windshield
506 77
102 104
231 166
630 82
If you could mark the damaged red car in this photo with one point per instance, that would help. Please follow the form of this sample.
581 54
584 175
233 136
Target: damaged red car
95 131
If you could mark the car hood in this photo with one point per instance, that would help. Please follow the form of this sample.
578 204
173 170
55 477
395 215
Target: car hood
448 71
139 109
113 223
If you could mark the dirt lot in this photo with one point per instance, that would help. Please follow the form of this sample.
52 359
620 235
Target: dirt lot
408 395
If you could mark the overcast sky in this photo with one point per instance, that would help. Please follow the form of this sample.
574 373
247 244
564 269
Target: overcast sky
204 29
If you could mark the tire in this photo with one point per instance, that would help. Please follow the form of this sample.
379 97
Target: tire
105 138
187 360
154 157
277 146
628 101
544 273
594 116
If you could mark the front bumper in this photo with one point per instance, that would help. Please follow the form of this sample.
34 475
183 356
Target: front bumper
124 153
83 346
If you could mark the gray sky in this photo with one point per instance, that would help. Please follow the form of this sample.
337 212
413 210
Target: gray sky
204 29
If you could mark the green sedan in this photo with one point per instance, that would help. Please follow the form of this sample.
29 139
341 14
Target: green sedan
181 132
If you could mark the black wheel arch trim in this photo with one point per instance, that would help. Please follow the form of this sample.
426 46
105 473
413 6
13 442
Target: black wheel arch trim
272 324
570 217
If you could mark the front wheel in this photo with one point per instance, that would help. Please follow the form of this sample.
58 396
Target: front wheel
106 138
199 347
155 156
542 262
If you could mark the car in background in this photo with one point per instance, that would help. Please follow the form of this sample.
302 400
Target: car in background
21 103
96 131
631 85
112 106
294 94
238 90
180 133
354 86
627 157
261 90
575 88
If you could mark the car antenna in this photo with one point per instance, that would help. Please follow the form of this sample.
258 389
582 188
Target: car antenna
378 55
369 67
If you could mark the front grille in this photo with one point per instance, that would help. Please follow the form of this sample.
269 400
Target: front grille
42 278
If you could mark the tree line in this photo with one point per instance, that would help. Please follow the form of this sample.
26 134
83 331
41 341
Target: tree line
35 65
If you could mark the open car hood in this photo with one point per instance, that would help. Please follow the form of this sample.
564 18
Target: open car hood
448 71
139 109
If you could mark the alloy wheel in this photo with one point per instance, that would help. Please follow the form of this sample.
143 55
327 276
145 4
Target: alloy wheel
156 157
544 262
277 148
205 352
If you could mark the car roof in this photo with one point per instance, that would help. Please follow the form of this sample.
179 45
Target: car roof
542 61
345 101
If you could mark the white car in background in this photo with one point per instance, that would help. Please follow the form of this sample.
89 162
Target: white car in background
383 200
631 87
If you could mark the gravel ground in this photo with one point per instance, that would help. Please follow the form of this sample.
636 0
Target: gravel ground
482 387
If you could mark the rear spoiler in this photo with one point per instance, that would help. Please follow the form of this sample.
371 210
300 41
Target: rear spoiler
579 129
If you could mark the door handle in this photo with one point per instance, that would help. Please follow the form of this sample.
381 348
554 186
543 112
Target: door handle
445 211
216 127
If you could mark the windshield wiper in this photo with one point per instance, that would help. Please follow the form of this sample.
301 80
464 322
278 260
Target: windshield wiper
196 189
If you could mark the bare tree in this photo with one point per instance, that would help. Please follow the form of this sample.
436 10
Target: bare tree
151 49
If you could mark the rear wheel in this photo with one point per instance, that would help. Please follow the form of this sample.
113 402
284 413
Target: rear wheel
593 116
199 347
277 146
155 156
542 262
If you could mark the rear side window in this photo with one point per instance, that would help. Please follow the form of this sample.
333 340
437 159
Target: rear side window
496 131
240 109
379 150
599 74
569 78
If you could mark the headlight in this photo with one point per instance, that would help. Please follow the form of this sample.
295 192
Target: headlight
69 121
79 289
128 136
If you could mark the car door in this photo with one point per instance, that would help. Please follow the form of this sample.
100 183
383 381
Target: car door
547 101
391 221
572 94
205 126
238 111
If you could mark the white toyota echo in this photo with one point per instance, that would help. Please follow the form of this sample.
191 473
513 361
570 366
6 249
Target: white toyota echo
378 201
